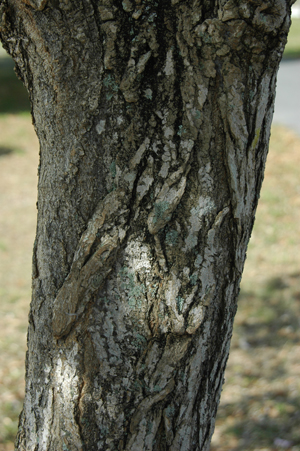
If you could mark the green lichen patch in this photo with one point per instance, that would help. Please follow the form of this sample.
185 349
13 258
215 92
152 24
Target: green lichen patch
197 114
172 237
135 291
193 279
113 169
159 210
111 85
170 410
179 302
181 130
140 341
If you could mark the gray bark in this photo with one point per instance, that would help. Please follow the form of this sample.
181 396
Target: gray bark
153 119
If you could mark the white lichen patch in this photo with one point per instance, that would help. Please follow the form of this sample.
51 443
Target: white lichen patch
65 396
100 127
202 95
175 303
189 299
169 132
169 67
198 261
164 170
145 181
143 188
120 120
205 206
148 93
47 370
156 146
140 153
159 114
166 155
195 318
65 376
186 147
44 433
138 256
207 277
205 178
210 260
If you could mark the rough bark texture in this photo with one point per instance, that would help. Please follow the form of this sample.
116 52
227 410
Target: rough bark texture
153 119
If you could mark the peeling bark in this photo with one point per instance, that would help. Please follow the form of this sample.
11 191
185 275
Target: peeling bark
153 119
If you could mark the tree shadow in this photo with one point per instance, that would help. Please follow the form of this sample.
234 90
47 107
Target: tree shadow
5 151
274 310
13 94
276 421
262 377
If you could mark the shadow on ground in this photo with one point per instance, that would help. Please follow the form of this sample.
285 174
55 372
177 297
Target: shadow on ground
273 313
277 421
260 404
5 151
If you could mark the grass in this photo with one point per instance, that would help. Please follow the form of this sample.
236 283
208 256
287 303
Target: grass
260 404
292 48
9 83
18 180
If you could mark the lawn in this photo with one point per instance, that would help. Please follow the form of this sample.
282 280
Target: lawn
260 404
9 83
292 48
18 180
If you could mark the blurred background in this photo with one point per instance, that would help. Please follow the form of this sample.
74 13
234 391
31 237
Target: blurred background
260 404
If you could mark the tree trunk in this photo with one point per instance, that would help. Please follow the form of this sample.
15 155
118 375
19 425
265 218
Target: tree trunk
153 119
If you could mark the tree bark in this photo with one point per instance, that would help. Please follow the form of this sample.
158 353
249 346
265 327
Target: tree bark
153 119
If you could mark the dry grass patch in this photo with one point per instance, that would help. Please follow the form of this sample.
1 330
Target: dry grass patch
18 180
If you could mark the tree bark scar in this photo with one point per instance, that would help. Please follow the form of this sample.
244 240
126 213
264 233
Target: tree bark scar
89 271
36 4
148 402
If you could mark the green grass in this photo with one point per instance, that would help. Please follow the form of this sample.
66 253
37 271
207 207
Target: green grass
292 48
13 96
